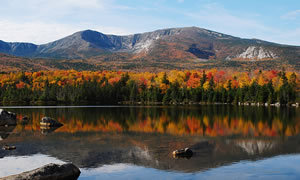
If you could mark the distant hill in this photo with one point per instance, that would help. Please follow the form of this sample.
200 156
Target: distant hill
180 48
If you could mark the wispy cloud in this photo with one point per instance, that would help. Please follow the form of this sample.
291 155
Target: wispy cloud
292 15
41 21
290 37
215 16
43 32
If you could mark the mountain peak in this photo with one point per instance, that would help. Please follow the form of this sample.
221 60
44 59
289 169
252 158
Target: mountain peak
184 43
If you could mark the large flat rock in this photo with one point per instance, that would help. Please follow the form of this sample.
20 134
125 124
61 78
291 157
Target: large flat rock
48 172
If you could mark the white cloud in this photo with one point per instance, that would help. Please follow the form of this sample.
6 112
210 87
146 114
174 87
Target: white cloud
84 4
42 21
54 10
214 16
66 4
292 15
42 32
290 37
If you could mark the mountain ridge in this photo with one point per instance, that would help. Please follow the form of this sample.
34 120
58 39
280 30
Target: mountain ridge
114 43
172 45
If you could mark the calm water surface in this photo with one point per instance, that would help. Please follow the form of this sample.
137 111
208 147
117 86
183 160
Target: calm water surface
121 142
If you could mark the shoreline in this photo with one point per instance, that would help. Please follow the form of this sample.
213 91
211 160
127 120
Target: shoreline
121 104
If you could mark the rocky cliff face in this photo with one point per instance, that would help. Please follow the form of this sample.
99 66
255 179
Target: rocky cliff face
257 53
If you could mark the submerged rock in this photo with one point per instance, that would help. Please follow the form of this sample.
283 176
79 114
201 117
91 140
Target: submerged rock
49 122
183 153
7 118
48 172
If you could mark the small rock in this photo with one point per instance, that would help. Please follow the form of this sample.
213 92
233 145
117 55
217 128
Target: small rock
7 147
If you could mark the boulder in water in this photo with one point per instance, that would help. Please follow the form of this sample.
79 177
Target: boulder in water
7 118
7 147
49 172
49 122
186 152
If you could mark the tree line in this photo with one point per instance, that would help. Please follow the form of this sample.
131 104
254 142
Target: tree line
126 88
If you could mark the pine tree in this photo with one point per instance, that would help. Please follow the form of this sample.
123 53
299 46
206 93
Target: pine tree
203 79
165 79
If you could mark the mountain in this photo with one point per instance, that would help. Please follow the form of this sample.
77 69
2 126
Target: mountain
174 48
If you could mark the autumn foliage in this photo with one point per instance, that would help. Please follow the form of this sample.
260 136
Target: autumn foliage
111 87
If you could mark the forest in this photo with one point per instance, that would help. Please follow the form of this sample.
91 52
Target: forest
171 87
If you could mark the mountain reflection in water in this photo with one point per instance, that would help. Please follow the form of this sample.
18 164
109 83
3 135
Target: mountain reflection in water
94 137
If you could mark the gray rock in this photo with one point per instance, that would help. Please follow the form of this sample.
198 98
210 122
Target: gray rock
48 172
7 118
49 122
186 152
5 131
8 148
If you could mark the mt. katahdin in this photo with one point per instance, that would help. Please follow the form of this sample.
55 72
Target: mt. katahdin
189 44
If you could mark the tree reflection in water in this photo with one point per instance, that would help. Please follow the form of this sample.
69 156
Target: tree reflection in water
210 120
145 136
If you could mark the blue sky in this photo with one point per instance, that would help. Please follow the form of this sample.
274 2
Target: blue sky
42 21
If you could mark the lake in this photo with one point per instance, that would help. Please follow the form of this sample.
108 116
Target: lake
136 142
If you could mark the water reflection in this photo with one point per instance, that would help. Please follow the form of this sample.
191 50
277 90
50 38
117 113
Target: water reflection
144 137
264 169
204 120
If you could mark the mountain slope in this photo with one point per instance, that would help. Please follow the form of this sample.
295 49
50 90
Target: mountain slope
18 49
175 45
